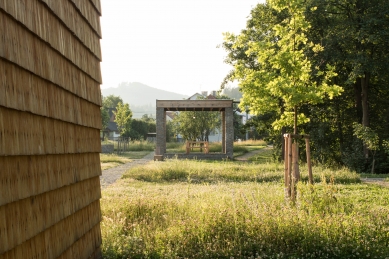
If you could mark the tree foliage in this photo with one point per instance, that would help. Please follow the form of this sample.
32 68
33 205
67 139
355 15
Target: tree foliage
123 117
297 53
112 101
141 127
196 125
104 117
284 74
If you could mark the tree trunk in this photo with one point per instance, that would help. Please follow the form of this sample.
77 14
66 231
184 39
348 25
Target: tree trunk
339 121
295 119
365 107
283 131
358 99
387 119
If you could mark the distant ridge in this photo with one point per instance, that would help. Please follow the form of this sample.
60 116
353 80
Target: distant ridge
138 94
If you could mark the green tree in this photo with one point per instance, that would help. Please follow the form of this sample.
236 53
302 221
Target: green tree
259 27
354 36
193 125
112 101
355 33
123 116
170 131
285 74
104 118
139 129
370 139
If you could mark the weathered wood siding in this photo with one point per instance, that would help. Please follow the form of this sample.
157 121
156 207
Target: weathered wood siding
49 128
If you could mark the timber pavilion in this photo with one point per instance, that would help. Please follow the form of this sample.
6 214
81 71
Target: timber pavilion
225 107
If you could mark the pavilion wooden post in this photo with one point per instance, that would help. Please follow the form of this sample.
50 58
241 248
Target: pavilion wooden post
291 166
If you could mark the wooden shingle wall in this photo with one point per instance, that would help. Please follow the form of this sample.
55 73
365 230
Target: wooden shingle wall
49 129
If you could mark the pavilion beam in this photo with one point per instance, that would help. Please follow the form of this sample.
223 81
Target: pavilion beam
194 104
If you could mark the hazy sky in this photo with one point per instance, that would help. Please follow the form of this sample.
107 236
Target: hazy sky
169 44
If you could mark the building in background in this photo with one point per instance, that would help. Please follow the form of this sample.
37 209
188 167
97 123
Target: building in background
111 131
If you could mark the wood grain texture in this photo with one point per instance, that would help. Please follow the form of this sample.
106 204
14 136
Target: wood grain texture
50 129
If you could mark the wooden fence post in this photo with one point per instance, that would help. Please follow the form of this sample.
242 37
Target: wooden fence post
286 166
290 156
291 164
308 149
293 176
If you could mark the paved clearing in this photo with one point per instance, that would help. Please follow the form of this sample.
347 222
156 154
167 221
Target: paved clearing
109 176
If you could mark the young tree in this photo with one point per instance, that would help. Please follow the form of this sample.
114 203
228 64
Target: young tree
123 116
283 76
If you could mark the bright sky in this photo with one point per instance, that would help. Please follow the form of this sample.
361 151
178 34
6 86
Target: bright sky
169 44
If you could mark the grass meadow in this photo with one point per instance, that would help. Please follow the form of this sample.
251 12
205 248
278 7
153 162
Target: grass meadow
229 209
139 149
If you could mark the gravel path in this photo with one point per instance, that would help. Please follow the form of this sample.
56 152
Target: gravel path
110 175
246 156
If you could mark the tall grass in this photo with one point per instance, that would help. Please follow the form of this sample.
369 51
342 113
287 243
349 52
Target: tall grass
197 209
173 170
239 148
141 146
137 145
250 143
243 147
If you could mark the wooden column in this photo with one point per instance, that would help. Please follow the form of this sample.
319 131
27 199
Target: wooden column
161 132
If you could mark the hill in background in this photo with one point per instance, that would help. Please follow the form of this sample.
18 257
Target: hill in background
141 97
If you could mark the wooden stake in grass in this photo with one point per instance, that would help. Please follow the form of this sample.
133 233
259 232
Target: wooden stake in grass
308 150
291 161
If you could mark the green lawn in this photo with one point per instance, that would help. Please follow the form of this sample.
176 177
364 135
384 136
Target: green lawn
372 176
265 156
112 160
201 209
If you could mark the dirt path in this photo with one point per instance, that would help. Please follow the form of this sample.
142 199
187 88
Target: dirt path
109 176
246 156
